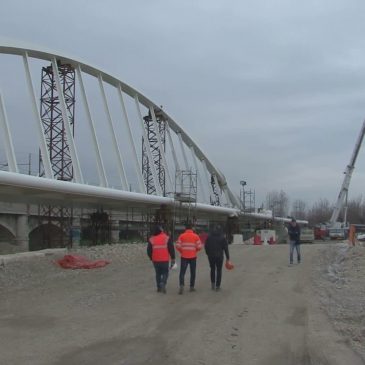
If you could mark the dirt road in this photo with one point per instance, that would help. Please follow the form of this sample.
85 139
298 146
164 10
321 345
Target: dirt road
266 314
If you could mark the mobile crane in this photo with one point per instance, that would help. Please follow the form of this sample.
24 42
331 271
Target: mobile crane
338 229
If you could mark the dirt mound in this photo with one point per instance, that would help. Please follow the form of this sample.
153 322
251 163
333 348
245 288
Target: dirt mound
339 280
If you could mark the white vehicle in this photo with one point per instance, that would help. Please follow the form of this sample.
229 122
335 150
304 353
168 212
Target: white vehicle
307 235
337 233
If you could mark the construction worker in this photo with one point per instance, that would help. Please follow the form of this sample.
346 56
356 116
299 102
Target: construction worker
188 244
160 249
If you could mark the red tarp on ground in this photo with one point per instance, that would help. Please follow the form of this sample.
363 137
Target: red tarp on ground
80 262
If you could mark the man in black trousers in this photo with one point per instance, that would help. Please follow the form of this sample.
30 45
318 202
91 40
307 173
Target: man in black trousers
294 240
214 246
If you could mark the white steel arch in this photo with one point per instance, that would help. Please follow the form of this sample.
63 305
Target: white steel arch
27 51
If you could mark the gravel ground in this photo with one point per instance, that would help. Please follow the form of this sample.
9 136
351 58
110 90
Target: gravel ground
38 271
56 316
339 280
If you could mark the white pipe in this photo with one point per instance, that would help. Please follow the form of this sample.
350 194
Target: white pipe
161 148
66 124
48 172
148 149
120 164
76 194
137 166
99 162
8 142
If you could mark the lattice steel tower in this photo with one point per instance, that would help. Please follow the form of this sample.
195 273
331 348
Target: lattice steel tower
155 151
214 200
58 149
52 120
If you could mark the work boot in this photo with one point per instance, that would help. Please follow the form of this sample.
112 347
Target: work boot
213 286
158 290
163 289
217 288
192 288
181 290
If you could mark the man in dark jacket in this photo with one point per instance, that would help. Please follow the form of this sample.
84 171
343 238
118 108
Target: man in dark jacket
214 246
294 240
160 249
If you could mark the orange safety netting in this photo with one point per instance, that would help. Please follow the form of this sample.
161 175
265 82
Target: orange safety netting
80 262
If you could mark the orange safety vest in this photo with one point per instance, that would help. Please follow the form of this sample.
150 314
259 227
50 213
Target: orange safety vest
188 244
160 250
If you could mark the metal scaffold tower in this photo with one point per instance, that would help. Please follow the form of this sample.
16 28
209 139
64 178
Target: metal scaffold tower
186 192
248 201
52 120
58 148
155 151
214 200
247 198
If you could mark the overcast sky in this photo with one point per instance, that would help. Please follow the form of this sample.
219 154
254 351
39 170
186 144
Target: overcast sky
272 91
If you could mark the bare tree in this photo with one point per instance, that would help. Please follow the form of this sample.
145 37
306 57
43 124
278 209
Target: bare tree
320 212
299 209
356 211
278 202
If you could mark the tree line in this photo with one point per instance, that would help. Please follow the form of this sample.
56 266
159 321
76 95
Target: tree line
319 212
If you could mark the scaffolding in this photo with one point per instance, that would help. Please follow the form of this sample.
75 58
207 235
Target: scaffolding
100 227
248 201
58 148
186 191
155 151
214 200
52 121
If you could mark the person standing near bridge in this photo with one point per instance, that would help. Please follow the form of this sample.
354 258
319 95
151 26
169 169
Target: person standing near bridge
215 245
294 240
188 244
160 249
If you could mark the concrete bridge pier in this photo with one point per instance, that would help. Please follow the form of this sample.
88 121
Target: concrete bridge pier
114 234
22 233
76 232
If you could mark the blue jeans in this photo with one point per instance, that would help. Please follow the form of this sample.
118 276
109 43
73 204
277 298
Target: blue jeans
183 266
294 245
162 273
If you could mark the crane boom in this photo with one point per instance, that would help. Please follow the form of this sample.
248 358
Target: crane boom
346 181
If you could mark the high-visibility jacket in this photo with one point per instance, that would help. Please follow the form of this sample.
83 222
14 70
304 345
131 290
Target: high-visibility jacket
160 250
188 244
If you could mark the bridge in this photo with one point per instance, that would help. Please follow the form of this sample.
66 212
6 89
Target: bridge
109 148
